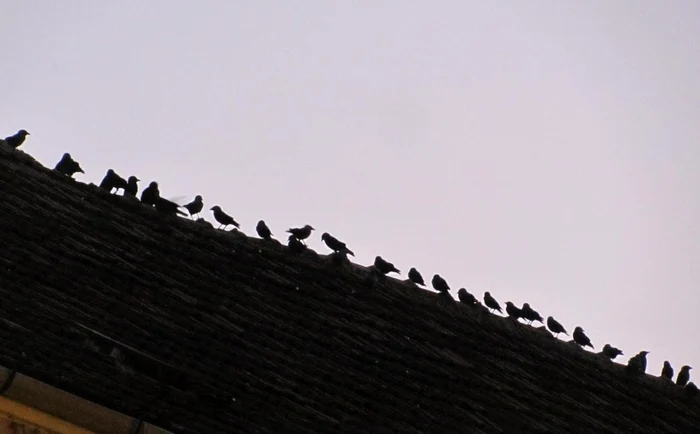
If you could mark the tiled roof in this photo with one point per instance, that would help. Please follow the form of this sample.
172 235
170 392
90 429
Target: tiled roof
204 331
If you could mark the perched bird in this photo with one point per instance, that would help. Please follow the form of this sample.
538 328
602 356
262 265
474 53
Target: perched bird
112 181
555 327
530 314
384 267
415 277
440 284
150 194
691 389
491 302
335 244
263 231
466 298
296 246
581 338
683 375
301 233
195 207
667 371
223 218
68 166
17 139
167 207
611 352
513 311
638 363
132 186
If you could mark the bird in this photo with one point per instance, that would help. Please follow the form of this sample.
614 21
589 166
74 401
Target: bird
335 244
581 338
195 207
296 246
611 352
415 277
223 218
68 166
667 371
440 284
17 139
263 231
301 233
691 389
638 363
466 298
150 194
683 376
132 186
513 311
112 181
385 267
165 206
530 314
491 303
555 327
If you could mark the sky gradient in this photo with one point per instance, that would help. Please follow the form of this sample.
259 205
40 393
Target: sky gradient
545 151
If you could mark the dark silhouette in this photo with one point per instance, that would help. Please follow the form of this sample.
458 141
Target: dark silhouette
683 376
150 194
638 364
132 186
335 244
466 298
611 352
385 267
223 218
112 181
301 233
530 314
167 207
68 166
691 390
17 139
491 303
195 207
415 277
513 311
263 231
554 326
296 246
667 371
440 284
581 338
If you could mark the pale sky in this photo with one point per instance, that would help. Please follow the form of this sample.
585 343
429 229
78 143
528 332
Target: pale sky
545 151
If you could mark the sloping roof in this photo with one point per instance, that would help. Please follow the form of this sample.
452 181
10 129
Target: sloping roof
199 330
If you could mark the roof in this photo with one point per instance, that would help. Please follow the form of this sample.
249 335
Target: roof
200 330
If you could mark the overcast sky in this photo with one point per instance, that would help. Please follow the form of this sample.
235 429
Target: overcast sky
546 151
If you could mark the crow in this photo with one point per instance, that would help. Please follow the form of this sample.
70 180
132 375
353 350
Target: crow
17 139
384 267
223 218
667 371
530 314
415 277
466 298
150 194
491 303
301 233
683 376
513 311
638 364
581 338
112 181
555 327
167 207
132 186
263 231
440 284
195 207
611 352
68 166
335 244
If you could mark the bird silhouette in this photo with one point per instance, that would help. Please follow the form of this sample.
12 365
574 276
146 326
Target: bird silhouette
491 303
530 314
165 206
581 338
555 327
638 363
132 186
683 376
440 284
150 194
68 166
611 352
296 246
691 390
301 233
195 207
224 219
385 267
415 277
667 371
466 298
335 244
111 181
17 139
263 231
513 311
